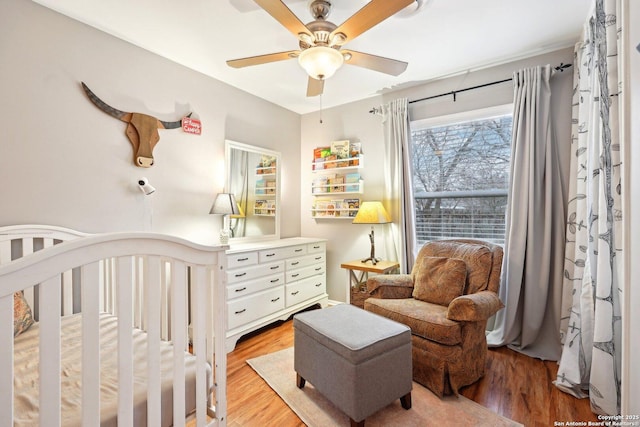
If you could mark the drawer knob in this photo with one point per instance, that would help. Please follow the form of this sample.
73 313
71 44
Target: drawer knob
275 299
275 267
295 293
241 311
318 268
318 258
243 259
316 247
270 255
318 285
295 275
298 250
241 274
275 280
295 263
241 289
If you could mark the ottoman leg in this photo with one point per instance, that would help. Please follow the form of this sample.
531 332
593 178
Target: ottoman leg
300 381
405 401
357 424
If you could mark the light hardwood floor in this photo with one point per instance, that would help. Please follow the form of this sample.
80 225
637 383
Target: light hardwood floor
514 386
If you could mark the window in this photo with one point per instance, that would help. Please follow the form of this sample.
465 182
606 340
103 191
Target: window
461 175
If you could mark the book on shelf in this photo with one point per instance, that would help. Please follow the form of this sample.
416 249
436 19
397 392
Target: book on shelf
355 149
352 205
260 186
336 184
352 181
260 207
319 156
340 149
271 207
320 184
320 153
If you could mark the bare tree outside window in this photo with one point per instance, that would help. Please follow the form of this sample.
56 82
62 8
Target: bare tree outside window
461 178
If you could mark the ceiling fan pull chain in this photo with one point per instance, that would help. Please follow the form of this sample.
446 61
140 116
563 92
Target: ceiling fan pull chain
320 108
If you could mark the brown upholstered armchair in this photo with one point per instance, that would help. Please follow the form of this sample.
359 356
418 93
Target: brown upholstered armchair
446 301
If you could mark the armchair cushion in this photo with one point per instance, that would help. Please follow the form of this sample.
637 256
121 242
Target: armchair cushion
439 280
478 257
478 306
426 320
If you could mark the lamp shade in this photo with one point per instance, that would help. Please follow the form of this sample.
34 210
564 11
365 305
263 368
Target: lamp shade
225 204
320 62
371 213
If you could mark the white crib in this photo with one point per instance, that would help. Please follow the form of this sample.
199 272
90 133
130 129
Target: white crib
152 305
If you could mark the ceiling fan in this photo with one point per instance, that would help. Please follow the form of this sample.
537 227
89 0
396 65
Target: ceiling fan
321 41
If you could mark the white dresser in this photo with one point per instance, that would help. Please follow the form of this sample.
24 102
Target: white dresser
271 280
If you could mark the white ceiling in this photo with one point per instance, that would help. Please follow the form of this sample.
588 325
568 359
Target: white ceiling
445 37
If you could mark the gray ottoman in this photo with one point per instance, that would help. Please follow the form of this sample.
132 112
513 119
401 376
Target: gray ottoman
358 360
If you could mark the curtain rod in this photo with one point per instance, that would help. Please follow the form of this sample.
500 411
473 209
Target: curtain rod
377 110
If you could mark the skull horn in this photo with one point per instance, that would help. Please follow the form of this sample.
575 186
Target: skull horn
104 106
173 125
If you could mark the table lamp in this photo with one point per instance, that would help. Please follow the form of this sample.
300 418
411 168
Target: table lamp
372 213
225 205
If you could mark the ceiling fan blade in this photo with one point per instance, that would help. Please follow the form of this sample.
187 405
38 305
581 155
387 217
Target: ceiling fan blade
370 15
262 59
283 15
373 62
315 87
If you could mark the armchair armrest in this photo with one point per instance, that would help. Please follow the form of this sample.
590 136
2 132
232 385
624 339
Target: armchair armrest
474 307
388 286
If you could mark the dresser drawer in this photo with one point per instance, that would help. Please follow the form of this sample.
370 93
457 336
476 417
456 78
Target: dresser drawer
248 287
242 259
244 310
305 289
254 272
303 273
313 248
281 253
305 261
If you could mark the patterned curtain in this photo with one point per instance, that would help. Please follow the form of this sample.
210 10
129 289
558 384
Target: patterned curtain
591 328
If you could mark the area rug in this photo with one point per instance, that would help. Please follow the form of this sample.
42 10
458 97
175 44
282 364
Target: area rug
316 411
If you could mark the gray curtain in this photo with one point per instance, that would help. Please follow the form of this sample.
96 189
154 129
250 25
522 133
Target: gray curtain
398 195
532 271
591 357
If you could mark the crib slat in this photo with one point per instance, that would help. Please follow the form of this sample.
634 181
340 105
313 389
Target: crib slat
125 341
50 352
6 354
220 321
178 332
152 284
165 311
90 345
138 299
29 293
198 320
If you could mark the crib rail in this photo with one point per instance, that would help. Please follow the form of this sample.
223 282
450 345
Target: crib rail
161 284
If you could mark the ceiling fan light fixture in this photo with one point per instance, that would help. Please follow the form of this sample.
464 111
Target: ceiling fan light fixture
320 62
337 39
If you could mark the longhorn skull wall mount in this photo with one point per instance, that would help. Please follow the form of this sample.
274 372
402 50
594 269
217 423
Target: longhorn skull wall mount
142 129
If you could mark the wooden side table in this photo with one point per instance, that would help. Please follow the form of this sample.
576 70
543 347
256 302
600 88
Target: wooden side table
358 272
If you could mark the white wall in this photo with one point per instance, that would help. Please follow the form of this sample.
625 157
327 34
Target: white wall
65 162
354 122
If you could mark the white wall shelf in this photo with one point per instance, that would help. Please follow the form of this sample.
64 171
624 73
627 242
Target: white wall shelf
335 188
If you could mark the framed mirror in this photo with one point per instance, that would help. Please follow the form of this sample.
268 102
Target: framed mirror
253 176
